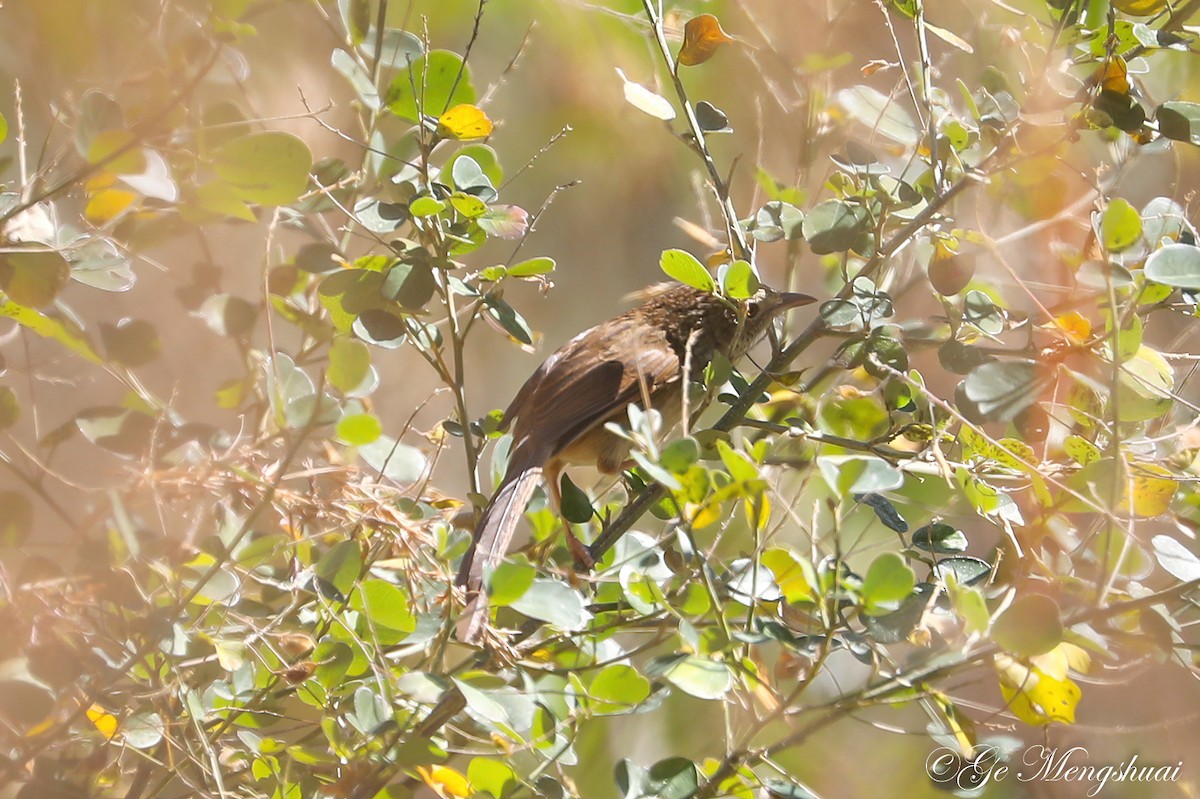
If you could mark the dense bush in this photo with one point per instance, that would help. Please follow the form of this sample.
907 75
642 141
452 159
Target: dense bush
243 445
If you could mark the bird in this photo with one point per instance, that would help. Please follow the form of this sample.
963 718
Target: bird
558 416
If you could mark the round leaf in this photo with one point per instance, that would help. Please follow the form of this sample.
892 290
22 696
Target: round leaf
434 83
1030 626
384 604
1175 265
684 267
268 168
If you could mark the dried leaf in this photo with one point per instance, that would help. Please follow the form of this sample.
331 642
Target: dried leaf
702 36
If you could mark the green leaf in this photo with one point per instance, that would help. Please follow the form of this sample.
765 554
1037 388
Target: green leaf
426 206
576 507
509 581
888 582
491 776
684 267
384 604
469 176
142 730
678 456
619 685
533 266
700 677
738 280
965 569
778 220
1121 226
340 567
512 322
435 82
357 75
556 603
33 278
349 364
398 462
859 474
1030 626
999 390
1175 265
834 226
979 310
1179 121
267 168
711 118
940 538
673 778
410 284
359 429
400 48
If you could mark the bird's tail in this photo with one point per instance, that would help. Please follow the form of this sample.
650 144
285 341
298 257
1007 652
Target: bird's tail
492 538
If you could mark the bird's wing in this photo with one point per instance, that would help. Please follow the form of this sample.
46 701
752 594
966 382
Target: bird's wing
589 380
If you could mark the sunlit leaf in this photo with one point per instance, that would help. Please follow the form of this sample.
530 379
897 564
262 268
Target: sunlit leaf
1149 489
1036 698
1120 226
117 151
60 330
445 781
464 122
435 82
684 267
1176 559
888 581
104 721
267 168
702 36
647 101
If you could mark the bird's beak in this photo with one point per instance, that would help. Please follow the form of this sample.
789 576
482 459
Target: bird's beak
790 299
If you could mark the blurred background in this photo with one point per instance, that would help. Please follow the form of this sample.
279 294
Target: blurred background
547 71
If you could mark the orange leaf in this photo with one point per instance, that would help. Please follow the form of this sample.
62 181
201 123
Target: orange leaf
464 122
105 722
1113 75
702 36
1076 326
445 781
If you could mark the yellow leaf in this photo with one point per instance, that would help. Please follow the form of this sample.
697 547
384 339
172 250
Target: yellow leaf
1151 488
464 122
1035 697
105 722
1076 327
789 574
702 36
118 151
445 781
1140 8
107 204
702 515
1061 659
